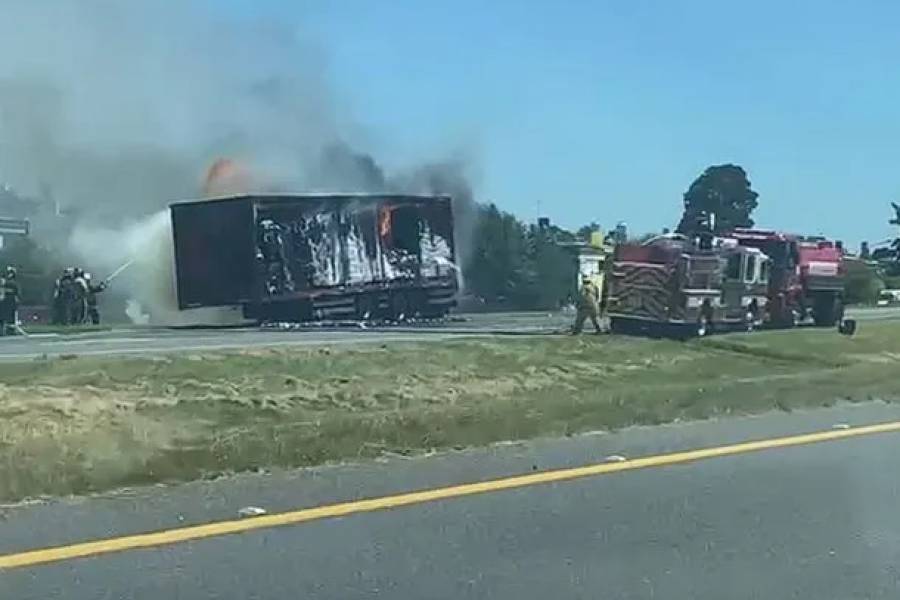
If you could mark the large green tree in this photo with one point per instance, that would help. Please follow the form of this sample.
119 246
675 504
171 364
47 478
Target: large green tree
862 283
551 268
518 266
496 266
723 192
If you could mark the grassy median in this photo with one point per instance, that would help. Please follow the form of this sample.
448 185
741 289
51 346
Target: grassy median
87 424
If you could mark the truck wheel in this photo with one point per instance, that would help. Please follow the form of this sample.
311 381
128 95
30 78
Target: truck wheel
847 326
704 327
417 305
365 306
399 306
749 322
788 319
825 311
619 326
705 321
751 317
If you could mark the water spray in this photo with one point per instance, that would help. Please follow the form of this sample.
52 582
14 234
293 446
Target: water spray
118 271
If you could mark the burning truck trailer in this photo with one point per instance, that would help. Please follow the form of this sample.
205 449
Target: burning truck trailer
309 257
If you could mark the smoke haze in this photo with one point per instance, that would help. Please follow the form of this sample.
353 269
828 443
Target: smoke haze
119 107
111 110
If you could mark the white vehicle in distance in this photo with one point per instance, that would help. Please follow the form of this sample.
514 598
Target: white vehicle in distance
888 297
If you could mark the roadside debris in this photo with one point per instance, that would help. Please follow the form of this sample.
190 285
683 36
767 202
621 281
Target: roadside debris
362 324
840 426
251 511
615 458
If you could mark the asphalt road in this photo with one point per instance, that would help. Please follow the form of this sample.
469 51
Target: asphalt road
131 341
122 342
814 521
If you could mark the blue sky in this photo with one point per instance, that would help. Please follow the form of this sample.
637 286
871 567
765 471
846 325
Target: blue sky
606 111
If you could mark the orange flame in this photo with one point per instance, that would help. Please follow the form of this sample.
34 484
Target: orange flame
384 222
226 177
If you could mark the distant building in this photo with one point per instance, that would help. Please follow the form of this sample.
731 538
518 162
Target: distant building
15 211
10 227
40 216
591 258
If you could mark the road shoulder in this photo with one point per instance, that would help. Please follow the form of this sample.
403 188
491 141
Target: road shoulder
73 520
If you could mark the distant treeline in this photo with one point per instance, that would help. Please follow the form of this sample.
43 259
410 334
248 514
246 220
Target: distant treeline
508 263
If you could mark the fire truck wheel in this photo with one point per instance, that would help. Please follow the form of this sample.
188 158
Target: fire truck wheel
847 326
791 318
617 326
822 313
751 317
705 321
704 327
749 322
622 326
827 311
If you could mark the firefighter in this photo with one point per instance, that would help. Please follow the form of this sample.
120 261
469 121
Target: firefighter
588 306
9 305
78 298
272 253
62 289
93 313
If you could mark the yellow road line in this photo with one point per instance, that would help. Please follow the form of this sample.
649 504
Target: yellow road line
185 534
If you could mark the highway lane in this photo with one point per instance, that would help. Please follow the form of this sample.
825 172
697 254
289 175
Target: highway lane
136 341
144 342
816 521
874 314
132 341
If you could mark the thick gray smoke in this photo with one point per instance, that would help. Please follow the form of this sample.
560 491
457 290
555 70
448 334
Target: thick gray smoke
110 110
341 168
116 108
450 177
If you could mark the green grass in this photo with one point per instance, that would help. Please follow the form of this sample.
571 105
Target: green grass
88 424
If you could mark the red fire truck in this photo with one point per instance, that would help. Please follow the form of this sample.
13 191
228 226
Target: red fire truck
674 286
807 277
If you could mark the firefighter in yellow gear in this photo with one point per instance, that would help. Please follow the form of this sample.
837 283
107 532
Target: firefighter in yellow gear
588 306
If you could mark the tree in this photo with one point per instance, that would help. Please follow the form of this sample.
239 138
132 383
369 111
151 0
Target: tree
551 268
496 268
518 266
862 284
584 232
722 191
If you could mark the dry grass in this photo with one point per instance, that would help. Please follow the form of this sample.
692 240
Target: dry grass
90 424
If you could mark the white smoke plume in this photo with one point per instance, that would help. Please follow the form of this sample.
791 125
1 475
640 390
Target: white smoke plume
145 246
110 110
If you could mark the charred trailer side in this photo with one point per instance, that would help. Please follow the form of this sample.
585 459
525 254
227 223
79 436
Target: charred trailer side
312 257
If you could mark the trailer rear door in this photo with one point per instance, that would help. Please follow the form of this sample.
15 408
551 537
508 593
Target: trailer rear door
214 252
